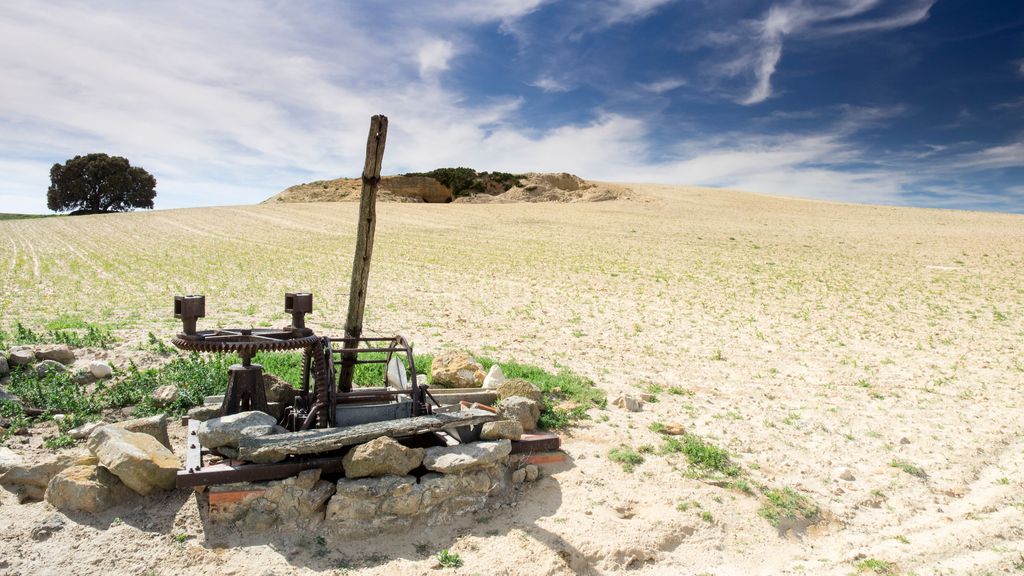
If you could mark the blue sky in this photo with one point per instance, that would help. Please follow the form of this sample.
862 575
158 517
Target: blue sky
905 102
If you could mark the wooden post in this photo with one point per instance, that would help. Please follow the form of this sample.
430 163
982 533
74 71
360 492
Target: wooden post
364 246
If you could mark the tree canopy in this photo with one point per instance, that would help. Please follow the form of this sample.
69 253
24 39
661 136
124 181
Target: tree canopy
97 183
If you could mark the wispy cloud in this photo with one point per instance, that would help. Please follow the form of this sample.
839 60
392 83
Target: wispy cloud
760 43
664 85
551 84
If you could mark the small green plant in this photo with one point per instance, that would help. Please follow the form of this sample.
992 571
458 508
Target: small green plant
909 469
627 457
58 442
449 559
181 537
679 391
704 457
786 504
684 506
717 356
707 517
902 539
875 566
656 427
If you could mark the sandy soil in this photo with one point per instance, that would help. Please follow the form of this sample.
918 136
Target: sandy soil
806 337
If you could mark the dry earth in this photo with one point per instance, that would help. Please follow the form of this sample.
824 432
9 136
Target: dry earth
807 337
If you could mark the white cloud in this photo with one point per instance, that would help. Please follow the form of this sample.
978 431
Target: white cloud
551 84
620 11
992 158
433 57
662 86
760 42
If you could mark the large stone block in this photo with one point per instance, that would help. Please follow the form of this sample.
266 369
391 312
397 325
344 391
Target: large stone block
85 488
456 370
522 410
155 426
519 387
139 460
227 430
502 430
57 352
381 457
28 479
21 356
457 459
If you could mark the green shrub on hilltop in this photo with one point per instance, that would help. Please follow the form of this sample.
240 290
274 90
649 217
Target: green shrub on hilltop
465 181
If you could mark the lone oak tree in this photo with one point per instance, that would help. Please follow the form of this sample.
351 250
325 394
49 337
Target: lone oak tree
97 183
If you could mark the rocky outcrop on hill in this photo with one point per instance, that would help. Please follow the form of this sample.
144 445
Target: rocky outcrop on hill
532 187
392 189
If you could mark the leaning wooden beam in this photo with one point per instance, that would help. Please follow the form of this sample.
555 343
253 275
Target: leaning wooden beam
364 245
277 447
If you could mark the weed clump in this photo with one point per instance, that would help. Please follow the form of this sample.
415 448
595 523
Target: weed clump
627 457
787 504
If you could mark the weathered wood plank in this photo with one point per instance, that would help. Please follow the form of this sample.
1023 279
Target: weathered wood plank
276 448
226 473
364 244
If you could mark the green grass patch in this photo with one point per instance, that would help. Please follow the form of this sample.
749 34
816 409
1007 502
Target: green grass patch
68 330
787 504
876 566
627 457
564 387
705 458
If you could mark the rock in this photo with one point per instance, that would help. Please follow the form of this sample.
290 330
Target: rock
139 460
164 395
48 366
8 459
628 402
48 527
519 476
83 377
844 473
381 457
58 353
456 370
82 432
6 396
4 368
100 369
522 410
296 502
155 426
278 390
502 430
29 479
904 440
21 356
519 387
396 376
85 488
463 457
204 412
494 377
227 430
532 472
